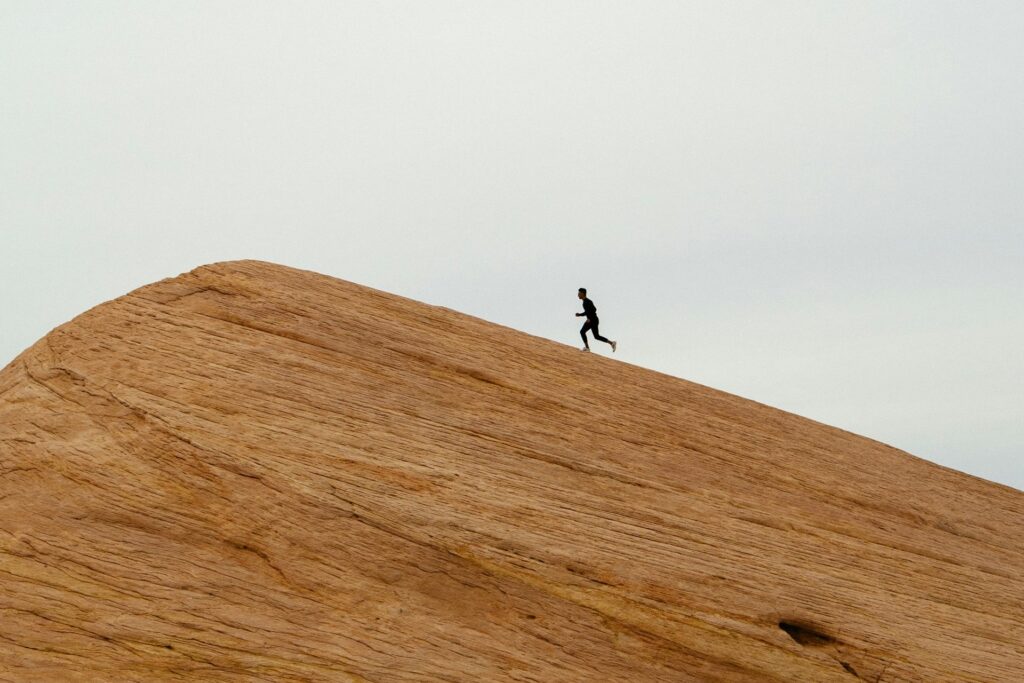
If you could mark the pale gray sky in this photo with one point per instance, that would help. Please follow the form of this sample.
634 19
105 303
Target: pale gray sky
816 204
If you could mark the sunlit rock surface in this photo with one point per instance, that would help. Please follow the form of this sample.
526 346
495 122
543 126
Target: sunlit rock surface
255 473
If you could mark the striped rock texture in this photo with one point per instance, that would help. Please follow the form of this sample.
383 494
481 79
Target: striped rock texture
255 473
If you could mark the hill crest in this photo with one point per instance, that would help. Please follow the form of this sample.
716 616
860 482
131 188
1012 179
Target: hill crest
255 472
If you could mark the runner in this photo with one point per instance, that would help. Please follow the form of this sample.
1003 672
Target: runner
590 311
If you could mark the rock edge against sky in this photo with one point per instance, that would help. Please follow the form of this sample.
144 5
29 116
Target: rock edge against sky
251 472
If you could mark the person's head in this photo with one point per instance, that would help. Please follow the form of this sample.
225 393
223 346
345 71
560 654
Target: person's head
583 293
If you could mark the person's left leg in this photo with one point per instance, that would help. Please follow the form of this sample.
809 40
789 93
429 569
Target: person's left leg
583 333
598 337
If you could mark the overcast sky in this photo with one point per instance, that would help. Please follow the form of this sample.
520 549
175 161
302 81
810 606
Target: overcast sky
818 205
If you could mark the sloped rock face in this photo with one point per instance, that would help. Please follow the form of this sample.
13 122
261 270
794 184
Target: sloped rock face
253 473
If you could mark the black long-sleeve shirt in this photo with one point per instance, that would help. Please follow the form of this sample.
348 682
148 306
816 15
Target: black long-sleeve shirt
589 309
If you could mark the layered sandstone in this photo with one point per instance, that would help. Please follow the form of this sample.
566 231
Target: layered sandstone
254 473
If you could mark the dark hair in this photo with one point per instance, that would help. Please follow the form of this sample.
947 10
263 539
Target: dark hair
583 289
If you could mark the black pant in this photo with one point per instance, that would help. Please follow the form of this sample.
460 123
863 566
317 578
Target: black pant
591 324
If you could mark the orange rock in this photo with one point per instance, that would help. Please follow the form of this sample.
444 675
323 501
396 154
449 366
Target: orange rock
251 472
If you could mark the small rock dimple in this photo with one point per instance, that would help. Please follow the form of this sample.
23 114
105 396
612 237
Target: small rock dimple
805 634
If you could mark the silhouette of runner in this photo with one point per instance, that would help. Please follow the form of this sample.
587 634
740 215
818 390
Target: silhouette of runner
590 311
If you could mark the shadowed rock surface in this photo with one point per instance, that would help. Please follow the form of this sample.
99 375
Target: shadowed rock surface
251 472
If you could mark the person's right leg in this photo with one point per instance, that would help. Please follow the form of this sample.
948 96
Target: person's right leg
583 333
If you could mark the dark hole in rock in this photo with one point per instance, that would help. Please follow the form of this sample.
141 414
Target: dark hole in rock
806 634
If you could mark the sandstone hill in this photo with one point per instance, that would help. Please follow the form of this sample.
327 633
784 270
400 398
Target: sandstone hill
255 473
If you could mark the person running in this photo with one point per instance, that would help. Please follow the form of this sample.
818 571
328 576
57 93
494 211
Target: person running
590 311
